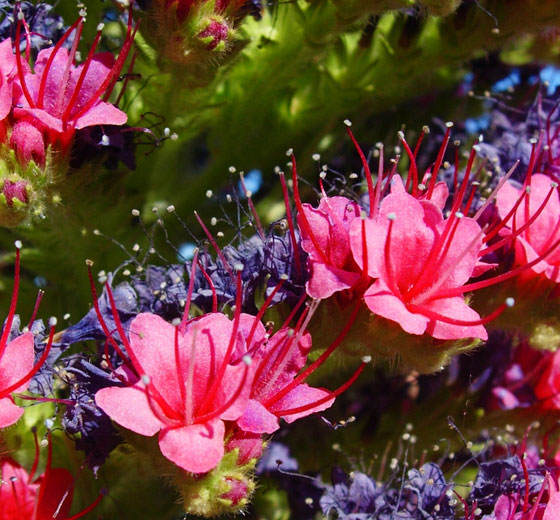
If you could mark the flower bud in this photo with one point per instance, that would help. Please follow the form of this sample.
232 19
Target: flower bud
15 194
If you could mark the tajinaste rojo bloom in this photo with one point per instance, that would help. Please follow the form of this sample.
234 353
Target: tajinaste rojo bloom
57 97
209 383
26 496
17 358
409 261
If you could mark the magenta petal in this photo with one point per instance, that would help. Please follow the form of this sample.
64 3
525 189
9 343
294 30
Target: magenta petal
257 419
101 114
128 406
552 511
5 98
9 412
302 395
197 448
381 301
457 309
54 123
17 361
326 280
28 142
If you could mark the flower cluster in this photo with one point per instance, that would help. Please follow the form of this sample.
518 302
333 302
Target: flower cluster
45 103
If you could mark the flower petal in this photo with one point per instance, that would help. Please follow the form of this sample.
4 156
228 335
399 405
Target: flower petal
197 448
257 419
9 412
128 406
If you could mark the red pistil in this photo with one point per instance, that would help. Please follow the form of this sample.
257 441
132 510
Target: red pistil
13 303
57 47
439 159
33 371
367 171
40 294
418 309
214 243
335 393
211 284
319 361
21 74
290 223
304 222
185 318
251 206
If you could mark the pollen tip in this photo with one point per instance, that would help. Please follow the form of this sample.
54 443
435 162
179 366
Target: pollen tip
52 321
348 123
510 302
449 124
146 379
289 152
89 262
18 244
170 208
391 216
400 133
284 276
247 360
100 27
135 213
363 215
366 359
458 214
239 267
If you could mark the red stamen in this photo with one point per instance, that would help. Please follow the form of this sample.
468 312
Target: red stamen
52 55
21 75
87 510
304 222
391 282
178 365
185 317
221 409
319 361
365 274
101 320
290 222
418 309
526 477
458 291
458 200
227 358
13 302
318 402
7 391
263 309
503 223
378 184
211 284
413 168
166 415
525 226
248 194
127 77
365 166
495 191
85 68
214 244
40 295
439 160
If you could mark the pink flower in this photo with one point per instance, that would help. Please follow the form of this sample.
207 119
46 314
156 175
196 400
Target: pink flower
49 497
276 363
547 388
417 256
57 97
539 213
7 73
17 365
325 238
186 391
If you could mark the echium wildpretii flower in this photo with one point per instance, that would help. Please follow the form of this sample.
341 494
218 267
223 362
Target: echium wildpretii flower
17 358
213 383
29 496
43 105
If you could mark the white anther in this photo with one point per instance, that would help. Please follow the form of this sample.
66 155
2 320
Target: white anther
18 244
247 360
366 359
52 321
170 208
510 302
135 213
391 216
209 194
347 122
